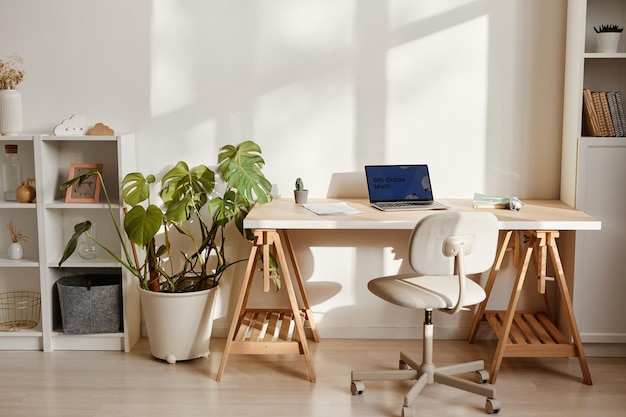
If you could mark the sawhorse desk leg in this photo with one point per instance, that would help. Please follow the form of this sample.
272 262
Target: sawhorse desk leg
270 331
528 334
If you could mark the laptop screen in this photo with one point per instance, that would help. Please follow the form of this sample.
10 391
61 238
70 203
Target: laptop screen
398 182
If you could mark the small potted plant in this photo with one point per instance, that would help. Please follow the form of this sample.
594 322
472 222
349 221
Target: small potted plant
608 37
300 193
15 248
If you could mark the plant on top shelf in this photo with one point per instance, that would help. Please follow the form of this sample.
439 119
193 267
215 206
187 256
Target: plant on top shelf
188 197
11 72
608 28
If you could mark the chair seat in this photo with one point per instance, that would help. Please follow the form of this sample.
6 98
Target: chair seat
425 292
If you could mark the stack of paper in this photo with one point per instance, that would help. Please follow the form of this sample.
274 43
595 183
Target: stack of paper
331 209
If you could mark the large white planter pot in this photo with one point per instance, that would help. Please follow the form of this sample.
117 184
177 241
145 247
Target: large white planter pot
179 325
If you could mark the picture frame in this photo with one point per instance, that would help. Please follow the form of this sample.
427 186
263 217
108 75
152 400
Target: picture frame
89 190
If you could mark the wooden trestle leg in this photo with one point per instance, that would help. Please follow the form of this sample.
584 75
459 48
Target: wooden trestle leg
531 334
270 331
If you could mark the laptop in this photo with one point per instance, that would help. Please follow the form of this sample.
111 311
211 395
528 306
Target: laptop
400 187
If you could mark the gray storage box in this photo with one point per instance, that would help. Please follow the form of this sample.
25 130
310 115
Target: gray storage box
90 303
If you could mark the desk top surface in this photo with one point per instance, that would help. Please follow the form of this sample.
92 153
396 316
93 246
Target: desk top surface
283 213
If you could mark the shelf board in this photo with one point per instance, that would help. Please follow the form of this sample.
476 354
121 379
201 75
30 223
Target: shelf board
597 55
16 205
90 138
59 205
76 262
22 333
95 341
29 260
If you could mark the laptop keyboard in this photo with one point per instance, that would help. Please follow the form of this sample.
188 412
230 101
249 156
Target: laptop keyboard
405 203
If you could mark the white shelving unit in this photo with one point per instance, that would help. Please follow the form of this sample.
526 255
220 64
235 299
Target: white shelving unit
23 274
49 223
592 176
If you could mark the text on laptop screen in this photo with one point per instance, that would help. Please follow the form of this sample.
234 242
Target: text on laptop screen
398 182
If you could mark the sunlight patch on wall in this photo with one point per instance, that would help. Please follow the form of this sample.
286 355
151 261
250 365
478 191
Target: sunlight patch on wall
293 33
436 105
308 122
402 12
173 57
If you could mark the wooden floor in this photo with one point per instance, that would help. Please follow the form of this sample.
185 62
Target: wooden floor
135 384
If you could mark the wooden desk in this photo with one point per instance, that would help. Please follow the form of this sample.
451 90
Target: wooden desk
257 331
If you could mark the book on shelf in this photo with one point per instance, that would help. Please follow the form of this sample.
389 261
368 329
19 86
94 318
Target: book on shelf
603 113
591 124
610 130
597 104
619 99
617 124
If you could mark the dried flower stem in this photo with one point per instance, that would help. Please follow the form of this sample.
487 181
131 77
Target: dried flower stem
11 74
16 235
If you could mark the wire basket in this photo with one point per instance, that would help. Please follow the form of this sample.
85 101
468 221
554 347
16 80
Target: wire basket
19 310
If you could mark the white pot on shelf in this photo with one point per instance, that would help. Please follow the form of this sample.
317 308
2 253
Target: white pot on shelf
608 42
15 250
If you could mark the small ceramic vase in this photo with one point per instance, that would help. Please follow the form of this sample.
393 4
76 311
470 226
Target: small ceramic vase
15 250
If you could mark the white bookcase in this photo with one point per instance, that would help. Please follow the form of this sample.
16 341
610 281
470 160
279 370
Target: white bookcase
592 177
49 222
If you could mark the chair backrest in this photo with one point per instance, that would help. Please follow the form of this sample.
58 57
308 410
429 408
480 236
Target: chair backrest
348 185
433 237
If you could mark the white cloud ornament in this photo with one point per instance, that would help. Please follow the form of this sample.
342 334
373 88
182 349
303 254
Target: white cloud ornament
74 126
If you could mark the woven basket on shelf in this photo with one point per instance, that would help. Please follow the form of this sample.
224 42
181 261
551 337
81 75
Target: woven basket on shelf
19 310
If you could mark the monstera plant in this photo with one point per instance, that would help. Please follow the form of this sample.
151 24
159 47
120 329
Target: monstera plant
177 246
190 206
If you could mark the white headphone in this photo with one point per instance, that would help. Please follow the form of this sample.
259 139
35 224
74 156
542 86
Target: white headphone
515 204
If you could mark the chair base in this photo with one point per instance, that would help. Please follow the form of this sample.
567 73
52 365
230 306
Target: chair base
426 373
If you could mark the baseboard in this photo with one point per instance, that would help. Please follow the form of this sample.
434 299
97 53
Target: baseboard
592 350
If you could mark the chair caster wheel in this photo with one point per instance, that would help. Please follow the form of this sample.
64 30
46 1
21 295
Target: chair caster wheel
357 387
403 366
492 406
481 377
408 412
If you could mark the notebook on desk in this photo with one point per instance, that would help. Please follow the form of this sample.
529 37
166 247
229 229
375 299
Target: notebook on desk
400 187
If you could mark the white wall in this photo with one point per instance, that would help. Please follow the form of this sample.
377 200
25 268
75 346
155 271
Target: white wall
471 87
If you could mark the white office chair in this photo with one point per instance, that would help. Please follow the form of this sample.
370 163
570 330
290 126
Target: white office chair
350 184
444 248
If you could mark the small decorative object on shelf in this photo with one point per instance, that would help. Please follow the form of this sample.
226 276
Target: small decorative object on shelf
86 190
100 129
300 194
25 193
87 247
11 172
11 75
15 248
608 37
76 125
